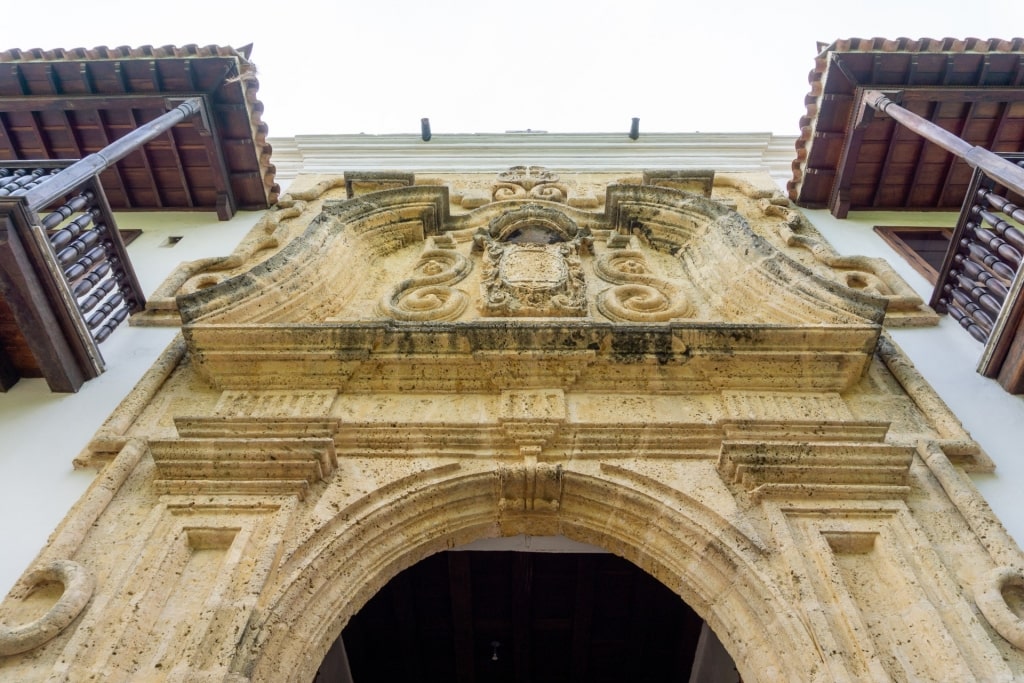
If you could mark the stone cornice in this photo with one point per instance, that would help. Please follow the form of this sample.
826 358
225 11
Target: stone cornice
489 152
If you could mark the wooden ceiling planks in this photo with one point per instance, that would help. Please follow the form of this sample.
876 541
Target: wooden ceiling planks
69 103
506 616
849 160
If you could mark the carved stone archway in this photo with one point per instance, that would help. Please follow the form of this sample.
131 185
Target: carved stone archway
698 554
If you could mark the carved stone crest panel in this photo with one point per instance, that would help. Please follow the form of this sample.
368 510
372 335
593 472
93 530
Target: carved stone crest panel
531 264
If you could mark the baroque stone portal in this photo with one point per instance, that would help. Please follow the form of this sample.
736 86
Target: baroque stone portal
388 369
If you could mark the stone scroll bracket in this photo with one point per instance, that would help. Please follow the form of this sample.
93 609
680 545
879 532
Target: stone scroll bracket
78 584
990 596
638 295
429 295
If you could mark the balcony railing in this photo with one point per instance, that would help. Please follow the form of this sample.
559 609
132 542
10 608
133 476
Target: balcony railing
980 282
66 281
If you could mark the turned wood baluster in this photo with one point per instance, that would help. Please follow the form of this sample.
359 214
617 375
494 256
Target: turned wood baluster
977 294
115 319
981 255
107 317
966 303
62 212
72 229
982 276
108 306
97 294
91 258
1003 204
89 280
997 245
21 180
1001 227
120 275
963 317
78 247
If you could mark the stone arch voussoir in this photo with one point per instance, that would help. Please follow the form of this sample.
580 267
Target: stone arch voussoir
699 556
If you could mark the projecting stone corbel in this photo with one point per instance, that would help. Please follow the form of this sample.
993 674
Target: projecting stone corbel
245 455
824 460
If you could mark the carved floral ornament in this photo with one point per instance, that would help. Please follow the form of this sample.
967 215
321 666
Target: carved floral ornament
533 182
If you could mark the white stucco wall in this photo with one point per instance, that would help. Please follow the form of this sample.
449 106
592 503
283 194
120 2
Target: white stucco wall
947 357
42 432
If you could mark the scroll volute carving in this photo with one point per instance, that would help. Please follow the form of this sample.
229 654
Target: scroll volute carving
531 264
429 294
638 294
529 182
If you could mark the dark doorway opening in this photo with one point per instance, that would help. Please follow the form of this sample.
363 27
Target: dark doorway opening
467 616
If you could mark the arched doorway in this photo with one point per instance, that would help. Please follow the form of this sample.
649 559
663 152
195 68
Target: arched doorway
687 547
507 616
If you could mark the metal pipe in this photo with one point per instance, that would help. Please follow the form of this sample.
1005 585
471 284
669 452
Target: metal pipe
72 176
994 166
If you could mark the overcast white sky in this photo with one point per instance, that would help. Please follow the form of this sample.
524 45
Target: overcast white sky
379 66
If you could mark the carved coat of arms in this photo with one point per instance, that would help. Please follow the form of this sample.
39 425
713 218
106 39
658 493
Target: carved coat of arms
531 264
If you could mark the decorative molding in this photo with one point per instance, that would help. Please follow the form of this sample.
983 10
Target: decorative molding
725 152
265 456
814 459
364 182
699 181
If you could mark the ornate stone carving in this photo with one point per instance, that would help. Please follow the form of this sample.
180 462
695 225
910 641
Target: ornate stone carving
428 294
294 450
531 264
871 275
529 182
639 295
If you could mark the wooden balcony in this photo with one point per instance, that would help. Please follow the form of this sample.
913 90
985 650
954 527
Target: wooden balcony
981 278
82 131
66 281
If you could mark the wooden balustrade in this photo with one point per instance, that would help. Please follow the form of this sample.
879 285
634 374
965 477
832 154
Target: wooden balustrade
85 244
981 280
66 281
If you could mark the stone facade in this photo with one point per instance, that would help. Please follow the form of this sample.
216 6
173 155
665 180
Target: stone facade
683 373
